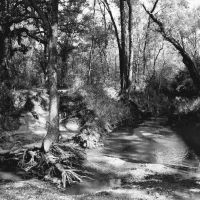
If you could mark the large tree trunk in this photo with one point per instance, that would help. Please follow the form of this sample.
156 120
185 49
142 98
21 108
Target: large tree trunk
123 58
129 34
124 73
193 71
44 63
53 125
130 57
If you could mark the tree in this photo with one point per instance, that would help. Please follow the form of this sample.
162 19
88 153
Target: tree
123 50
71 27
189 62
124 45
11 13
49 21
92 47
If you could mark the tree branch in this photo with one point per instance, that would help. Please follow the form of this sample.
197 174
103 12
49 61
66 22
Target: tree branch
19 31
154 6
163 31
44 18
187 60
107 6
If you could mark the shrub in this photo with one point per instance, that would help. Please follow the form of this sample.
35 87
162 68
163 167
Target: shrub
96 112
110 111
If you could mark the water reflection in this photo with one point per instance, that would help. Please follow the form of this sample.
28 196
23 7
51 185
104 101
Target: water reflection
151 142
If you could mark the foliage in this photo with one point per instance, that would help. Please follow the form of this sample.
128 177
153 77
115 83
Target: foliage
111 111
8 113
96 112
86 41
184 86
79 43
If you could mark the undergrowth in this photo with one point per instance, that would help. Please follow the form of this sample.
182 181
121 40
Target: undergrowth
111 111
97 112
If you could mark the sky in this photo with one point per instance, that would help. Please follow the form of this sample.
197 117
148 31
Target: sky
194 3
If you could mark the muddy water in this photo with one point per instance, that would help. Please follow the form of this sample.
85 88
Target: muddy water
151 142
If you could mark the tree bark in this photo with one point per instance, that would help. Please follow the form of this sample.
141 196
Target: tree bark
121 44
130 57
90 81
50 24
53 124
123 52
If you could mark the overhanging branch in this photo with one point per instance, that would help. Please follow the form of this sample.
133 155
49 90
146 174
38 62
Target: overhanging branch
19 31
107 6
187 60
33 4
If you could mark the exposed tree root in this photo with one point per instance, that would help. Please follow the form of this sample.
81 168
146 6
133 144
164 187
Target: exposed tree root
62 165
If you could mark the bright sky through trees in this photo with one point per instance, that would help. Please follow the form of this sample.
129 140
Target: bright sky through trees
194 3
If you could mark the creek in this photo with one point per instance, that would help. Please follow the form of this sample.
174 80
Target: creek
151 142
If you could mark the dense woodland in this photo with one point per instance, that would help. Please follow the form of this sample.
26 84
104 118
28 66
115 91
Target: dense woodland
116 61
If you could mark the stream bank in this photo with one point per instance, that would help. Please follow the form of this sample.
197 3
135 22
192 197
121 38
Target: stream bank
149 162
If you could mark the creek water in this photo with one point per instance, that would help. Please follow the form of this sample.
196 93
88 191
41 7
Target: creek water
150 142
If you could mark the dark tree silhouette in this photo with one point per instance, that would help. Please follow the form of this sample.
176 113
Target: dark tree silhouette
124 47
